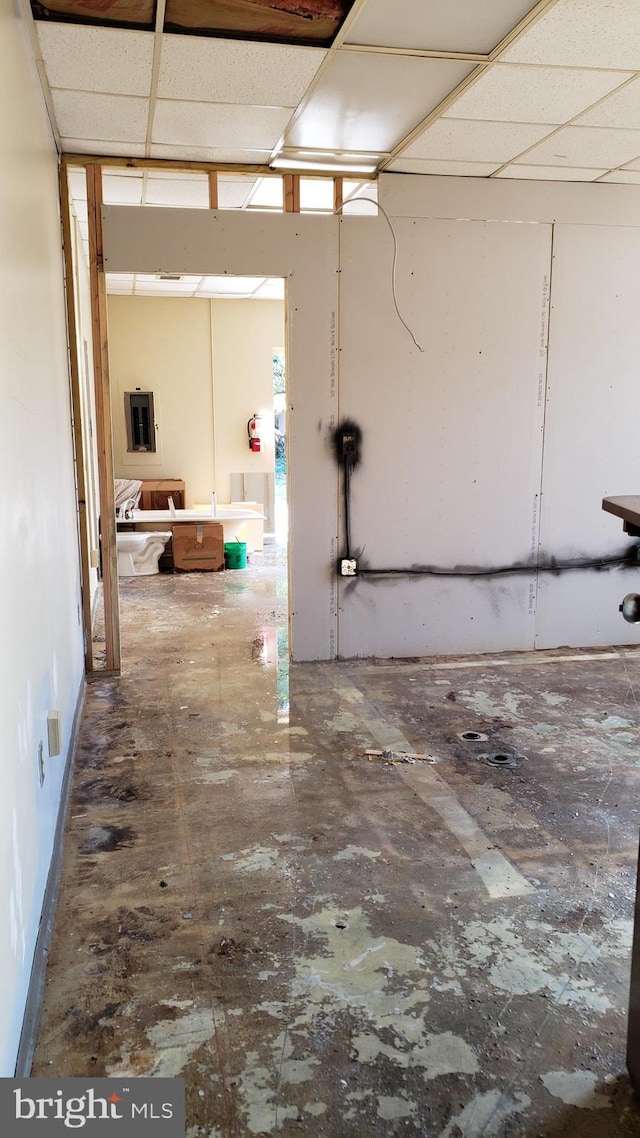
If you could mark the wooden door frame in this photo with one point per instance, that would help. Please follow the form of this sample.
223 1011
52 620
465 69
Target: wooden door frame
104 439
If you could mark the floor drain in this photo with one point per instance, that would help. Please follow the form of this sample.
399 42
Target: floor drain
500 759
473 737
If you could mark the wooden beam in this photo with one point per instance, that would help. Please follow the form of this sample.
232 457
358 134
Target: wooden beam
103 420
188 166
213 189
76 411
338 200
291 183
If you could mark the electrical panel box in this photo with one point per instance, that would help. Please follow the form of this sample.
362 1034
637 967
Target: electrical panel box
140 420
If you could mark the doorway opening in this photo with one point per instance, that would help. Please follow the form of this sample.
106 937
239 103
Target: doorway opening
201 350
281 513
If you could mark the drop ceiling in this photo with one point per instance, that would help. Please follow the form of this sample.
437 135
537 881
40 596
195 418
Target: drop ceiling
486 88
203 288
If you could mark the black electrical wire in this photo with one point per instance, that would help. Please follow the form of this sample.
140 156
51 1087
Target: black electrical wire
347 440
630 558
347 507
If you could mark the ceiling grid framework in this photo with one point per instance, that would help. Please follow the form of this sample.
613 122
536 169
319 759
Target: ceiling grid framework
498 88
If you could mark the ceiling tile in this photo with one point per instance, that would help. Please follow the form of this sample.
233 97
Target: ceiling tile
233 192
622 109
229 286
583 33
588 146
455 169
267 194
510 93
164 288
82 58
102 146
218 125
370 102
359 197
77 184
462 140
438 25
121 191
81 209
316 194
114 117
235 71
121 283
271 289
550 173
183 192
628 177
220 154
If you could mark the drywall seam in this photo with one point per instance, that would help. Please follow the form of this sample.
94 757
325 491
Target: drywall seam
543 388
35 994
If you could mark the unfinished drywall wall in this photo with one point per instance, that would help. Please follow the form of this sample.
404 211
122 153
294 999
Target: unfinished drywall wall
441 429
491 466
41 664
209 365
163 344
454 453
591 447
303 249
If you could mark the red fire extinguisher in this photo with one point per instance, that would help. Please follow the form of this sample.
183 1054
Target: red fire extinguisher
253 431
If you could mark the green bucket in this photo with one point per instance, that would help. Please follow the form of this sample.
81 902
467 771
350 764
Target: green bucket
235 554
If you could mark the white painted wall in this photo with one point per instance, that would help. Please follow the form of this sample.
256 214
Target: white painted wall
209 365
41 663
163 345
245 333
469 458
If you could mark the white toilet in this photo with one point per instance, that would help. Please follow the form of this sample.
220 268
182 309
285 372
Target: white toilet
139 553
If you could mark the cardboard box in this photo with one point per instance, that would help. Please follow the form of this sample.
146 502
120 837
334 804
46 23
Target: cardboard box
198 545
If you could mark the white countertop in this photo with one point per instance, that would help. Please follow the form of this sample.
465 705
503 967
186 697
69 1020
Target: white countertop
223 514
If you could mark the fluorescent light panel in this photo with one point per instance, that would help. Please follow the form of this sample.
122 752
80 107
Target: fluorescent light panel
330 167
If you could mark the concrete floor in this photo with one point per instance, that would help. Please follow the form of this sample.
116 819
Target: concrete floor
328 945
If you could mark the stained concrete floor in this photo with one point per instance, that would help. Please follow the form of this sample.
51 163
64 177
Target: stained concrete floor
328 945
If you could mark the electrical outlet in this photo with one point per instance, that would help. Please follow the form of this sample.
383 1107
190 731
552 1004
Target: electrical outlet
54 733
348 567
348 443
94 558
41 762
